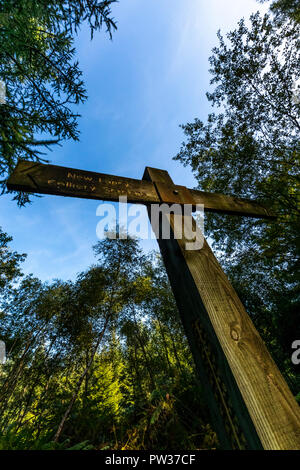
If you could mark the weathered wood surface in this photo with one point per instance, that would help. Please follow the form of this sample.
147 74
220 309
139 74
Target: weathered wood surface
62 181
250 403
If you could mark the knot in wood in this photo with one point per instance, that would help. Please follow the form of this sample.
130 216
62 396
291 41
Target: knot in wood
234 334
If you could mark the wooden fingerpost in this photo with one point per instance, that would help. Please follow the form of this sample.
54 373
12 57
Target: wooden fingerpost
250 403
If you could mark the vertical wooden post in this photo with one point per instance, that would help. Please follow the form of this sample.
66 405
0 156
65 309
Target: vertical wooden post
250 403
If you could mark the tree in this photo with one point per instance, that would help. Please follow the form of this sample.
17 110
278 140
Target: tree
283 8
251 149
41 79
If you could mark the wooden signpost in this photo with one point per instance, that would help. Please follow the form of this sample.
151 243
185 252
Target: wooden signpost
250 403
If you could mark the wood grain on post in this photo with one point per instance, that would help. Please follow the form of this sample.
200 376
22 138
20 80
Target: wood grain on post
250 403
62 181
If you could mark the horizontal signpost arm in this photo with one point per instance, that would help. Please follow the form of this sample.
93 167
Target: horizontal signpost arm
250 403
61 181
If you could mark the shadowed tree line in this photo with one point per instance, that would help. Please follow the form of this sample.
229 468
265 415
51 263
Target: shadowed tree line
40 75
100 362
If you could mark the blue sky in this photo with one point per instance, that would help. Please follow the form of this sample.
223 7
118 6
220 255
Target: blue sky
142 85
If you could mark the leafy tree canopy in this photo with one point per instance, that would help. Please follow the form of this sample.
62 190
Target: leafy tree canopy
41 80
251 149
283 8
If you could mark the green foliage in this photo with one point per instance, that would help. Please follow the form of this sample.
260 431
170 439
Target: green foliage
9 261
251 150
42 79
284 8
14 439
82 446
